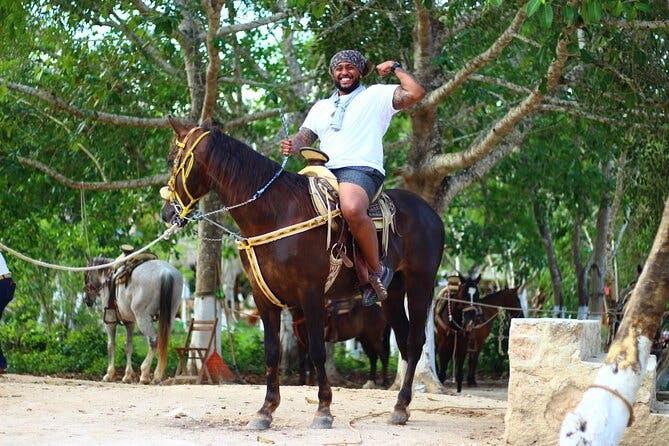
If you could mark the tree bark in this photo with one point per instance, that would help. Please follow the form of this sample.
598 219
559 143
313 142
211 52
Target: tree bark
556 276
596 300
606 407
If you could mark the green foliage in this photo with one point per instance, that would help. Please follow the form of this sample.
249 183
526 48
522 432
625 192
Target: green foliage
249 349
32 348
347 363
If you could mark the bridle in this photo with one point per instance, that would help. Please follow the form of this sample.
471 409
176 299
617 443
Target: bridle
465 310
183 163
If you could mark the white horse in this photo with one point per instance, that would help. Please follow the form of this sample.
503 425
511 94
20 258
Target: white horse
152 291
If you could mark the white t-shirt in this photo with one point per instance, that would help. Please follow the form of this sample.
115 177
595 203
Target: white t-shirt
3 266
360 140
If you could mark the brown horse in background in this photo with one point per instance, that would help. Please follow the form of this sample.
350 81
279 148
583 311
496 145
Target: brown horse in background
348 319
469 339
287 257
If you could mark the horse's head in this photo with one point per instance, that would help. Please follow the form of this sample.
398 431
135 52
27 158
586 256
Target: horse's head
94 281
468 295
186 185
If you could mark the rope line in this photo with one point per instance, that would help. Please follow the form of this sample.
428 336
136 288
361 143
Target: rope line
438 297
168 232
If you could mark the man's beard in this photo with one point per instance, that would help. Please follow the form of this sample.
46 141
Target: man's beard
347 90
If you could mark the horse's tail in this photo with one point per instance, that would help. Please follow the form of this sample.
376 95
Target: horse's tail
165 317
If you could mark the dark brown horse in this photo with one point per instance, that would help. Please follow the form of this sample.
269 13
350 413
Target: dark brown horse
468 338
286 256
349 319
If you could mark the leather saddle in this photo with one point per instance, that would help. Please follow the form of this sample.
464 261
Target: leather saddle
324 191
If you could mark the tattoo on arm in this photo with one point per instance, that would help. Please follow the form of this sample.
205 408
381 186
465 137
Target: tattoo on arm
304 138
400 98
403 98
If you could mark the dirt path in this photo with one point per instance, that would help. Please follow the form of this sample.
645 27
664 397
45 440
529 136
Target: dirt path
55 411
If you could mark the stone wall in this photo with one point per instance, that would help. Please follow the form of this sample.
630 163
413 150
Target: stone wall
552 362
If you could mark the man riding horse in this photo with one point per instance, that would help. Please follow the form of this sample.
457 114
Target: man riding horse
350 125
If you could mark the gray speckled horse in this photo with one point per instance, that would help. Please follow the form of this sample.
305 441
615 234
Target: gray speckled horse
153 291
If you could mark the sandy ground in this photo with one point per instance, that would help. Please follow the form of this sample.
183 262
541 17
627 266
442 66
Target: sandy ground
56 411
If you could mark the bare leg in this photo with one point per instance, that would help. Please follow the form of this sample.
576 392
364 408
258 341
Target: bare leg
111 353
354 204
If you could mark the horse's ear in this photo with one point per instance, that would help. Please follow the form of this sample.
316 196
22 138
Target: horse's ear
207 124
478 279
178 128
88 259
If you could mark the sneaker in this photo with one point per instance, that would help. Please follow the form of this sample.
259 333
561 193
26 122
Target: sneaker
378 284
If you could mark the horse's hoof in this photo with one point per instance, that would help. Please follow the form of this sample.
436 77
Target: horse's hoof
322 422
259 423
108 378
399 417
144 380
369 384
128 379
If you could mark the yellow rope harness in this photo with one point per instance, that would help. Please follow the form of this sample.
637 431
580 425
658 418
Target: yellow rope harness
183 163
248 244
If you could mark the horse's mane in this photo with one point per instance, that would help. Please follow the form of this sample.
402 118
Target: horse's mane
229 159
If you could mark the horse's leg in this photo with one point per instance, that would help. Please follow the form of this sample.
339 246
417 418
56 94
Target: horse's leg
271 318
149 331
460 353
314 320
370 349
471 374
419 298
129 375
111 353
385 356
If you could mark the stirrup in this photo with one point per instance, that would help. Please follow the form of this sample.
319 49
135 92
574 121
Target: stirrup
380 281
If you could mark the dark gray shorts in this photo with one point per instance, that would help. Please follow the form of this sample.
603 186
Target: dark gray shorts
366 177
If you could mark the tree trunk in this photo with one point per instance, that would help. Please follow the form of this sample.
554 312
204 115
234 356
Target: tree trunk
596 301
207 274
606 407
580 268
556 277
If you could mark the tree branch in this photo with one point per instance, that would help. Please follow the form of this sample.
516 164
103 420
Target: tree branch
213 8
231 29
438 95
144 45
108 118
637 24
154 180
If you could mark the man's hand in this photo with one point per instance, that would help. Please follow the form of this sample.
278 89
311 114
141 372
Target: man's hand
287 146
303 138
384 67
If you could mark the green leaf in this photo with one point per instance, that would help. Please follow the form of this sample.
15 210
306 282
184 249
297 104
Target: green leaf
591 11
643 7
318 9
496 2
570 13
546 15
617 9
532 6
586 56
